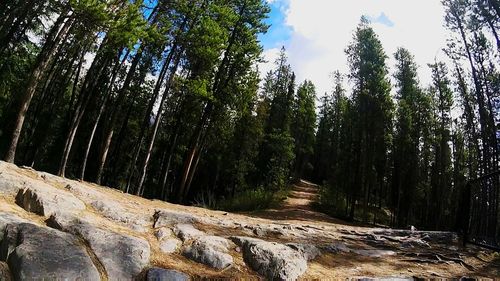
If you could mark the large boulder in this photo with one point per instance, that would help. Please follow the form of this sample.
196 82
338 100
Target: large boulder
43 253
273 260
123 256
211 251
5 220
45 200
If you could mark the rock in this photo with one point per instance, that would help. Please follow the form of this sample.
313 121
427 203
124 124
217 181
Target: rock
373 253
211 251
85 192
5 247
6 218
114 211
5 272
308 251
337 247
9 241
160 274
169 246
187 232
42 252
169 217
10 184
45 200
122 256
163 233
274 261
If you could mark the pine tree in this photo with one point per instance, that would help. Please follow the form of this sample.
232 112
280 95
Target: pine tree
303 128
373 114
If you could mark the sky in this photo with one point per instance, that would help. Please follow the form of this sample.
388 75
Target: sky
315 34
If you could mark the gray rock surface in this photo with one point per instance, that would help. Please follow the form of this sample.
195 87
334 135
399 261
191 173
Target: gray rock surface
163 232
122 256
211 251
160 274
45 200
6 218
169 246
170 217
308 251
187 232
273 260
10 184
41 252
114 211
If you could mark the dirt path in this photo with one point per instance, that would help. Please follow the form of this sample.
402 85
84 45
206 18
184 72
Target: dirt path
297 206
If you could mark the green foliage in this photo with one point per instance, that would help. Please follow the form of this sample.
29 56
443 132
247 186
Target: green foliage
303 128
252 200
167 93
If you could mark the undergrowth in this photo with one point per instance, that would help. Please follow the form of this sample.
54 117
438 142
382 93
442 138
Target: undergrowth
253 200
334 203
245 201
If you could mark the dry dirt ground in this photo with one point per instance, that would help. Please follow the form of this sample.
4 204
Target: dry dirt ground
347 251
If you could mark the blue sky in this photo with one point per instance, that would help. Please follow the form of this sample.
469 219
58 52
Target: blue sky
278 34
316 33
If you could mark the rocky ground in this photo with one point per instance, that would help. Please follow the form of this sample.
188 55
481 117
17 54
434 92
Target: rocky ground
57 229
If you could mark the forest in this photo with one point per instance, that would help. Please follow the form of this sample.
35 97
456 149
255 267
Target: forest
162 99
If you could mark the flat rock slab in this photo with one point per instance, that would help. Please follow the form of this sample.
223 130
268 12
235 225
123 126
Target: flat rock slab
339 246
273 260
114 211
211 251
122 256
160 274
45 200
169 218
44 253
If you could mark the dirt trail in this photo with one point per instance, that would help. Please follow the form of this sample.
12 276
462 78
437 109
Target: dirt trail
297 207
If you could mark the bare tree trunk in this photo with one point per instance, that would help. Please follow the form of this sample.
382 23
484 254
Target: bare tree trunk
98 118
140 189
114 113
194 147
86 96
146 120
43 61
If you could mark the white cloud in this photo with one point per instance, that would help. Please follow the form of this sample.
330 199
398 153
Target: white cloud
322 29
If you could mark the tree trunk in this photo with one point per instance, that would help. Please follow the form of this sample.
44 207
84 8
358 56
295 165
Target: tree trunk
98 118
140 189
114 113
86 96
146 120
43 61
